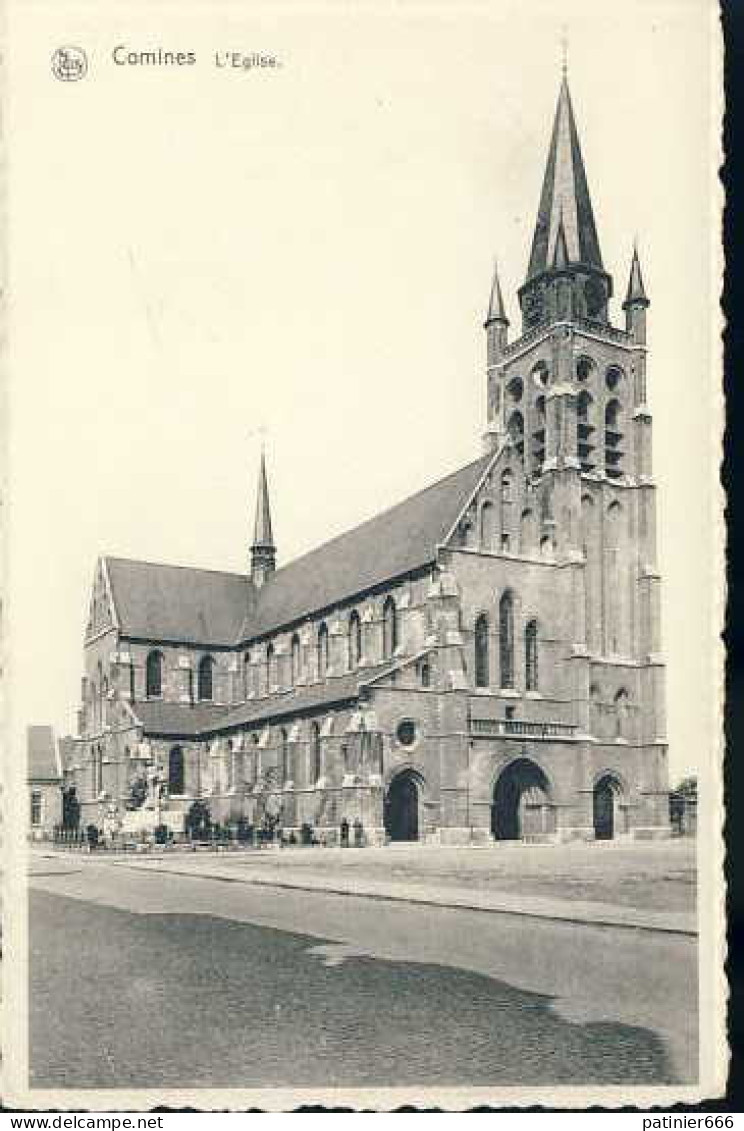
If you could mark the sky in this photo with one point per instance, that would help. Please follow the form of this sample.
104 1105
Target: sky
200 253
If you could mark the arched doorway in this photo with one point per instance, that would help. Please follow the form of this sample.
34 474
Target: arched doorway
521 802
402 806
606 796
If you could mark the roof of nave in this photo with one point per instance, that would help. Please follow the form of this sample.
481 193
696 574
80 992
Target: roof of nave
179 604
391 544
187 721
43 763
303 699
179 718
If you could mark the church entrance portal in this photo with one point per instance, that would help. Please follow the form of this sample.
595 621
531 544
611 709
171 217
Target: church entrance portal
521 802
606 794
402 807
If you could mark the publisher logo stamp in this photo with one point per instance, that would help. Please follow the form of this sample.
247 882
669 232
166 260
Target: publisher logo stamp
69 64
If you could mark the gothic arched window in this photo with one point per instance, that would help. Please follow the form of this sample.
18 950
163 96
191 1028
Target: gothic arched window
584 366
246 674
389 628
515 389
254 759
613 439
515 428
99 701
506 486
295 659
614 378
584 430
322 651
284 762
486 526
269 667
355 640
176 771
530 656
541 374
621 711
482 677
506 509
205 678
316 754
527 532
538 436
506 640
154 675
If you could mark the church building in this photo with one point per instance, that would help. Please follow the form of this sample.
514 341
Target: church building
481 661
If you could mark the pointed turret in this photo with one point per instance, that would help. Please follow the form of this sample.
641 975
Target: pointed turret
636 301
564 197
496 311
263 550
496 324
636 290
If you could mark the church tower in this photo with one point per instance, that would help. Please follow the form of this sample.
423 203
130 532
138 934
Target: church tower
566 404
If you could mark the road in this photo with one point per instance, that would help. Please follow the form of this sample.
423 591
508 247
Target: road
141 980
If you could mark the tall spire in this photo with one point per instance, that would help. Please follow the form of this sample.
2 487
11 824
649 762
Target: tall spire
565 196
263 550
496 311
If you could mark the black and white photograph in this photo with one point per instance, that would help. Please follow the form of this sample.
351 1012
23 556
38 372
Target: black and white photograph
363 578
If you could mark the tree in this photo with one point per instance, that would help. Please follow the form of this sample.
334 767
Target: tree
198 822
687 788
137 793
70 808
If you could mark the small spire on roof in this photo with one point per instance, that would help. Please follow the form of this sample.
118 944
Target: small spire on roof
496 311
636 291
262 534
263 550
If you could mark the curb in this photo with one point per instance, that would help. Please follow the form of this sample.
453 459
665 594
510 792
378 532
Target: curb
422 900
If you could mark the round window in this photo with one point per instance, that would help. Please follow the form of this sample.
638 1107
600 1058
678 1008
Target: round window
406 732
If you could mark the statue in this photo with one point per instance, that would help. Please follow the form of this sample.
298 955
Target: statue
155 788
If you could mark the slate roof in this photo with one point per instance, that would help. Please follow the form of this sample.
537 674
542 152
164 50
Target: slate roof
636 289
302 699
205 607
564 198
391 544
185 720
178 718
177 603
42 765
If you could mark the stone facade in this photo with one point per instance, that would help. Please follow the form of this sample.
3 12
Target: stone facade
488 663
